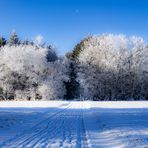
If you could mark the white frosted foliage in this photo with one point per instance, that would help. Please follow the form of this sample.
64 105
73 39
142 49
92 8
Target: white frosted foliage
25 73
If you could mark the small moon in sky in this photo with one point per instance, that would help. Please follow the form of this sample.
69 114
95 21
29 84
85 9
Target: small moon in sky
77 11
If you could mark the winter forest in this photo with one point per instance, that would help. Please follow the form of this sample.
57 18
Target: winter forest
102 67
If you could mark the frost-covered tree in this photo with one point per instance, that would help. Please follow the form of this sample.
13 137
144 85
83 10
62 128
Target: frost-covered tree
106 68
53 86
25 73
38 40
140 64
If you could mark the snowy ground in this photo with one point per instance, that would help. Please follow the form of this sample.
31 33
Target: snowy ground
74 124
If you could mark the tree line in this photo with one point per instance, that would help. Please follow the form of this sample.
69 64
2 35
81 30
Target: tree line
102 67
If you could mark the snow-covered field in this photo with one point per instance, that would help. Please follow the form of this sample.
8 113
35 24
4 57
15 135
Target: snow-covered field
74 124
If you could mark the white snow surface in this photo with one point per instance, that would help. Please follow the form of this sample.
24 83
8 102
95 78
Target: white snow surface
70 124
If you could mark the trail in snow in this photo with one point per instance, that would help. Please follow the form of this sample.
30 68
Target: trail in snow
65 128
81 125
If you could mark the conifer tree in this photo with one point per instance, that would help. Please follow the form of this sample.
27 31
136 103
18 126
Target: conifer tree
2 41
14 39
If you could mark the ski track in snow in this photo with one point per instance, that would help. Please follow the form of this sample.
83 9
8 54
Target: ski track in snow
83 125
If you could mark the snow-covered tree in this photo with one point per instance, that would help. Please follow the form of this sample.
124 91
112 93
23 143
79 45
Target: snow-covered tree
106 68
25 73
38 40
140 64
53 86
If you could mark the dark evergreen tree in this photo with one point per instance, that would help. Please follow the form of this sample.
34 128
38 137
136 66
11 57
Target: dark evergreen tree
77 49
72 86
14 39
2 41
27 42
51 56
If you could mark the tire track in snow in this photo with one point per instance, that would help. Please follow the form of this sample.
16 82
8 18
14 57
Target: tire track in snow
61 131
27 137
65 128
72 133
43 140
48 128
86 138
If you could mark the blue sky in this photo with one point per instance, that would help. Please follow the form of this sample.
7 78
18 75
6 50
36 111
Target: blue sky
65 22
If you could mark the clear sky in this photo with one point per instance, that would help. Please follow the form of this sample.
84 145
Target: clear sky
65 22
